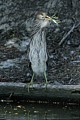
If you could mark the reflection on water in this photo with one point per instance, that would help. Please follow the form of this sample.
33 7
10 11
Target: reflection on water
20 111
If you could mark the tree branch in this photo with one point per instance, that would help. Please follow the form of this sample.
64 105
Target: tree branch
71 30
55 93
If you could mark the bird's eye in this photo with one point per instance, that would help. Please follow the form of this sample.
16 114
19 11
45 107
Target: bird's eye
43 17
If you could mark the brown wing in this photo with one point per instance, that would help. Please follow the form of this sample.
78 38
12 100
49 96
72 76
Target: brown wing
35 29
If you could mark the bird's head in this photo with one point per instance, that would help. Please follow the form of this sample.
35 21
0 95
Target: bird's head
44 19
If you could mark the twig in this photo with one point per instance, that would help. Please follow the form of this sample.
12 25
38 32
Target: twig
71 30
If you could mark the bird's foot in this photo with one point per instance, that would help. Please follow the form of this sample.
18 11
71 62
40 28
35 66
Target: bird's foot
45 79
31 82
46 84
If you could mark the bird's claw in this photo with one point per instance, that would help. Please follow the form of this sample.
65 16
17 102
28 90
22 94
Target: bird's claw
46 84
46 79
31 83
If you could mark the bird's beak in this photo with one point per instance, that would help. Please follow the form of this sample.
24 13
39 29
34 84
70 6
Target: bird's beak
54 19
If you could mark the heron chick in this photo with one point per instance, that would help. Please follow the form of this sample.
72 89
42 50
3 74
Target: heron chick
38 53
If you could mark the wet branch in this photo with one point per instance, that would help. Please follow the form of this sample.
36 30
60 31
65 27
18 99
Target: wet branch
19 91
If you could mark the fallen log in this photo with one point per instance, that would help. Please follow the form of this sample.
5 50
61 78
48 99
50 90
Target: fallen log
38 92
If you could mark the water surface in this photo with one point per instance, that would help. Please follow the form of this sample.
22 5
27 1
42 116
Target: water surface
31 111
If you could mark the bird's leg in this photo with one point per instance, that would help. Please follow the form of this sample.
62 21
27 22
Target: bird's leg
31 82
45 78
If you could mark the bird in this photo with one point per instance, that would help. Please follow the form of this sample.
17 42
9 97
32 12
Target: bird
38 48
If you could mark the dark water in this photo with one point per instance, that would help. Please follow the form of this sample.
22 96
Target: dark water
31 111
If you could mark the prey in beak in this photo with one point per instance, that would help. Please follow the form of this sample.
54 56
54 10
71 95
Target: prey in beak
54 19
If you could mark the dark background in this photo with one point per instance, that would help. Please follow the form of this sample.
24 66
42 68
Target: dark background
16 18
